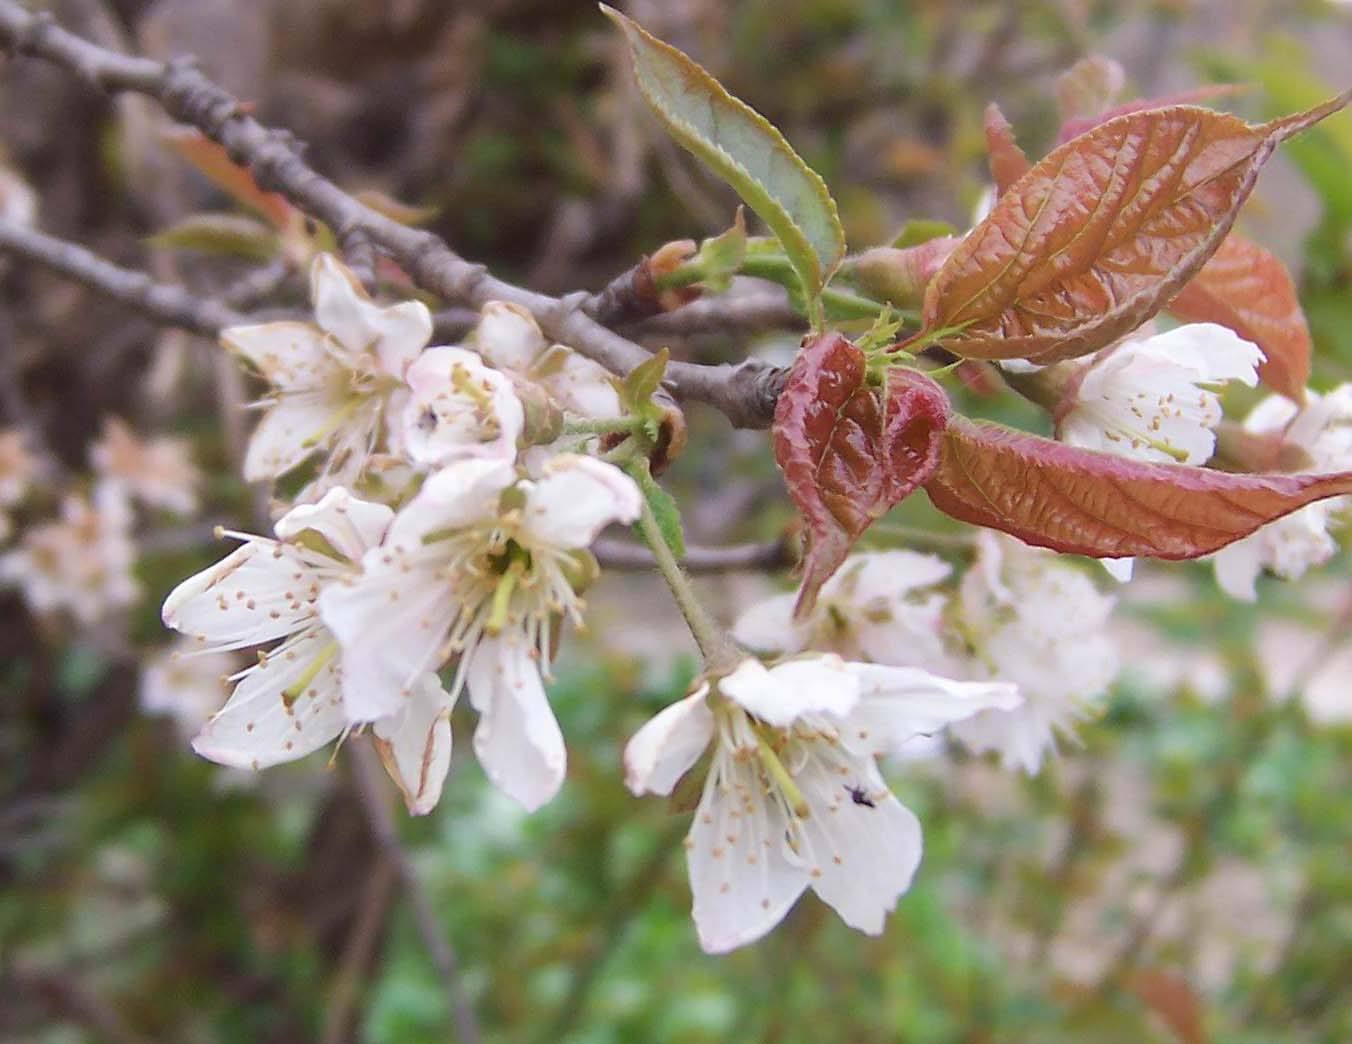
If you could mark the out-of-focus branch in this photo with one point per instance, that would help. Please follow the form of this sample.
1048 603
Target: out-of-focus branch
171 305
744 393
624 555
368 774
735 313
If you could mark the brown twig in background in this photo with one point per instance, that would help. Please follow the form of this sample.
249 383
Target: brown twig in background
171 305
369 776
745 393
767 309
624 555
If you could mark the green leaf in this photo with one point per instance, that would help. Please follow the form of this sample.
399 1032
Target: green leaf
922 230
744 149
642 382
664 508
721 257
229 234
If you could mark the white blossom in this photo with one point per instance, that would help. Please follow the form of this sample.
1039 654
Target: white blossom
458 408
481 565
879 606
1152 398
291 702
1031 618
334 381
80 564
1294 543
793 798
186 685
159 471
509 338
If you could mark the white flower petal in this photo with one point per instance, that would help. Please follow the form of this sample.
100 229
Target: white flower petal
351 525
508 337
782 694
289 431
769 626
1120 569
1022 737
256 728
575 499
415 745
740 880
258 592
583 386
291 356
861 855
444 421
517 741
342 309
458 495
897 704
666 747
391 622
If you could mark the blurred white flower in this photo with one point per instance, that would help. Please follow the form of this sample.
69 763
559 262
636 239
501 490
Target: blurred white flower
509 338
18 201
459 408
793 798
186 685
80 564
334 381
1039 622
18 468
1151 398
480 565
879 606
158 471
1291 545
291 702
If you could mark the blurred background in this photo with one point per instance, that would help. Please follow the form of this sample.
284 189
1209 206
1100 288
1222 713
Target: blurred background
1181 875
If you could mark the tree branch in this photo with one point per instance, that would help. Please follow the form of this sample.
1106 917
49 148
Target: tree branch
624 555
170 305
744 393
740 313
368 774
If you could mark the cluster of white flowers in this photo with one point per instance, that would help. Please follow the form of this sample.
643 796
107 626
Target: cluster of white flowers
1156 397
357 607
81 562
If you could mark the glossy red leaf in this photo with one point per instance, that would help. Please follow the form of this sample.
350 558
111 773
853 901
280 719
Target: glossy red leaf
1087 503
1007 160
1098 236
1249 290
850 450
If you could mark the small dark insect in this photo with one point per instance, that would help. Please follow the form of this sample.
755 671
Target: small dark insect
859 795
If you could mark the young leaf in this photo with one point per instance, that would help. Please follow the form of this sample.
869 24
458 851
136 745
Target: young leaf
900 275
1089 88
664 508
1008 163
1101 233
850 451
216 165
230 234
1086 503
921 230
1073 127
1249 290
744 149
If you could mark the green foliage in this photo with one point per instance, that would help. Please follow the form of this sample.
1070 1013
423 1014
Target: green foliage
744 149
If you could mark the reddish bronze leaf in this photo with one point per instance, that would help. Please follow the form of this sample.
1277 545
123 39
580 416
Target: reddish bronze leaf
1008 163
1249 290
236 181
1087 503
1098 236
849 450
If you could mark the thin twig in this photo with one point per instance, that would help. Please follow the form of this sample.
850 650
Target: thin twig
745 393
625 556
369 779
170 305
726 313
360 948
